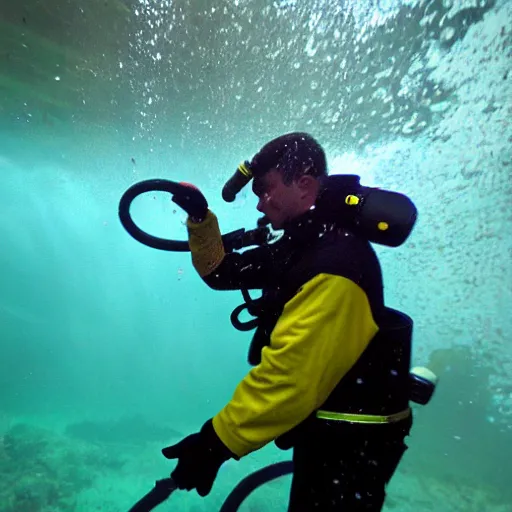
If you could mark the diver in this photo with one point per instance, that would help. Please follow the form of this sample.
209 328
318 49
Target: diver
331 363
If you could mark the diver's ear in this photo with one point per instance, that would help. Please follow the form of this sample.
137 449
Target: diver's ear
306 184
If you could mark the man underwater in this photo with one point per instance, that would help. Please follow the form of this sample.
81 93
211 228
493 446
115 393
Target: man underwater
328 380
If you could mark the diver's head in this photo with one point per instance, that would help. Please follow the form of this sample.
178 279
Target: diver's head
288 175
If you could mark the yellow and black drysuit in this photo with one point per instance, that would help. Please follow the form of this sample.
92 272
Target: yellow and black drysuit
331 376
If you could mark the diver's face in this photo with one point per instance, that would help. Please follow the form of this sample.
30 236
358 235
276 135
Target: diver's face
281 202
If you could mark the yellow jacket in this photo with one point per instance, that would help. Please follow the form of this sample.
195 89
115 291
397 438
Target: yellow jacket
323 330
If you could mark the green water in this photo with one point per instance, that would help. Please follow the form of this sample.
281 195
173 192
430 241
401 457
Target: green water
111 350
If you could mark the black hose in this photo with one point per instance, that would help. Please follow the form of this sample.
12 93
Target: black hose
141 236
232 241
238 495
164 488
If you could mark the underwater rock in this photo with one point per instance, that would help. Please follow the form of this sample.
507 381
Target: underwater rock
23 441
42 471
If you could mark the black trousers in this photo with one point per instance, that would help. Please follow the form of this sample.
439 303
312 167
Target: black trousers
346 469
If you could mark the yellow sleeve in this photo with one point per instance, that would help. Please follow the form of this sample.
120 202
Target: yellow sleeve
321 333
205 242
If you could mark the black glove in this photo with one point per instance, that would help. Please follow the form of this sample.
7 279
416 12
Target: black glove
200 457
192 201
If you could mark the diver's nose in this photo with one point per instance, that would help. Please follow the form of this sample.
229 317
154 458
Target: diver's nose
262 200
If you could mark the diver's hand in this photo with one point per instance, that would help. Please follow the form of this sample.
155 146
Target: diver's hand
200 457
192 201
